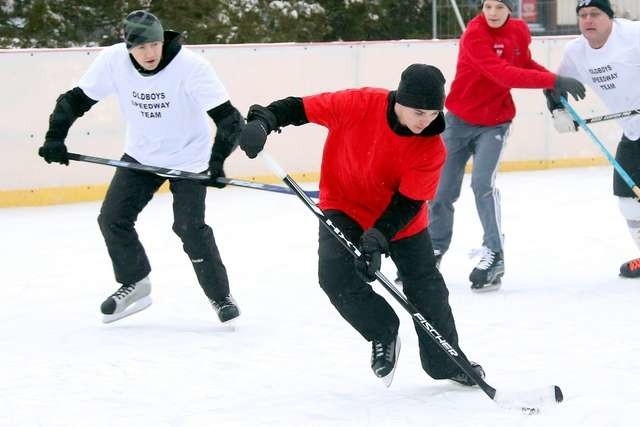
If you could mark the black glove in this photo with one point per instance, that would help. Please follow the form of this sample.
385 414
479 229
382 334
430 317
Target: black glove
54 150
216 171
253 138
569 85
553 99
372 245
260 123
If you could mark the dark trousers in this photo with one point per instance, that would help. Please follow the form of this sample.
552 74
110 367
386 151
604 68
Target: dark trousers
128 194
628 156
369 313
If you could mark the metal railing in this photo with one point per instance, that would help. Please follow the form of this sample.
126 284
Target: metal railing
544 17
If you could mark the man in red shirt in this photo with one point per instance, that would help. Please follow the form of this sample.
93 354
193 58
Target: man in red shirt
381 163
493 58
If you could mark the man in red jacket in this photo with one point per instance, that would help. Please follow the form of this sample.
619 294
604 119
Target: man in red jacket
381 163
493 58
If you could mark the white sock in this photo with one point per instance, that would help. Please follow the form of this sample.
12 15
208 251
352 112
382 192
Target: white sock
630 209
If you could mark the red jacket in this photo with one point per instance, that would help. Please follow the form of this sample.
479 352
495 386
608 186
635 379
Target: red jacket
491 61
364 162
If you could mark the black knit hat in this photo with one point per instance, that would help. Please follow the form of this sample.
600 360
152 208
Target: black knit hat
603 5
142 27
508 3
422 87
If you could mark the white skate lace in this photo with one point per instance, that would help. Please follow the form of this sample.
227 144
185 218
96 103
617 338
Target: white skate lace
382 350
487 257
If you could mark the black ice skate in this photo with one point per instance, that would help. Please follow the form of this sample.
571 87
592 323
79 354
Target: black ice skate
383 359
464 379
127 300
226 308
487 274
630 269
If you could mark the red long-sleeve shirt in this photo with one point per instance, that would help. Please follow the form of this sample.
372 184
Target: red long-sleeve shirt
491 61
364 162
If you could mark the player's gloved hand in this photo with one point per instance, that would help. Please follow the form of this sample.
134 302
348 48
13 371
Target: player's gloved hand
569 85
260 123
216 170
253 138
563 122
54 150
372 245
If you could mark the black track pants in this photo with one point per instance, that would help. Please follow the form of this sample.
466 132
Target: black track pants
368 312
128 193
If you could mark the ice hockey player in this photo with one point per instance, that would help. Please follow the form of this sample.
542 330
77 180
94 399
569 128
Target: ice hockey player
165 94
606 57
493 58
381 163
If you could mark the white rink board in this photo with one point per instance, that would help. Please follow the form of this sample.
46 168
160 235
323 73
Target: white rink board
33 79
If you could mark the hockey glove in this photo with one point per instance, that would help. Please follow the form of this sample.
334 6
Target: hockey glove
563 122
54 150
372 245
260 123
253 138
569 85
216 170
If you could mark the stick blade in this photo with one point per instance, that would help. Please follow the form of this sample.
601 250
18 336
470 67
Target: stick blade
530 401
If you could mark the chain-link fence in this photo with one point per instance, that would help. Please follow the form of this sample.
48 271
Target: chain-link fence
544 17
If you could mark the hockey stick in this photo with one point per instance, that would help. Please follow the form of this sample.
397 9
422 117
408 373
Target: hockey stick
174 173
623 174
613 116
529 401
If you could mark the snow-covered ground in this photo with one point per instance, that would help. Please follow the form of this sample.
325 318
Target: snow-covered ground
563 316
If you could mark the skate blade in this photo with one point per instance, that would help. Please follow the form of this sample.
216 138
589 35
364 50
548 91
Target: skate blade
388 379
230 325
137 306
489 287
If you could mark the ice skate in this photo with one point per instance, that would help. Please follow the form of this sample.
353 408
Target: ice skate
488 273
127 300
226 308
464 379
383 359
630 269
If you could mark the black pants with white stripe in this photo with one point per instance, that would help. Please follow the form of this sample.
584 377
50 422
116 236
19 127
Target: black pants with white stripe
369 313
128 194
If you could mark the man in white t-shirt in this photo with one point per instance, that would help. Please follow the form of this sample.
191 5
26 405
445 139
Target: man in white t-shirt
607 58
165 93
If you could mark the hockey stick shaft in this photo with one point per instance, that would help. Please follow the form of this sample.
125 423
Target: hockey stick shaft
175 173
417 317
623 174
529 402
612 116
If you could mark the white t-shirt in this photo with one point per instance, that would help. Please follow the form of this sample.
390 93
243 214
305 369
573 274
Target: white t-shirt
612 71
167 123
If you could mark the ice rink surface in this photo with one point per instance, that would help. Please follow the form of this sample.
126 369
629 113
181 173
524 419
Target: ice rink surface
563 316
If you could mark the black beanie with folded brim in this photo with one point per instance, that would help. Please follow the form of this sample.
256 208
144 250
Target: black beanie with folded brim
422 87
142 27
603 5
508 3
